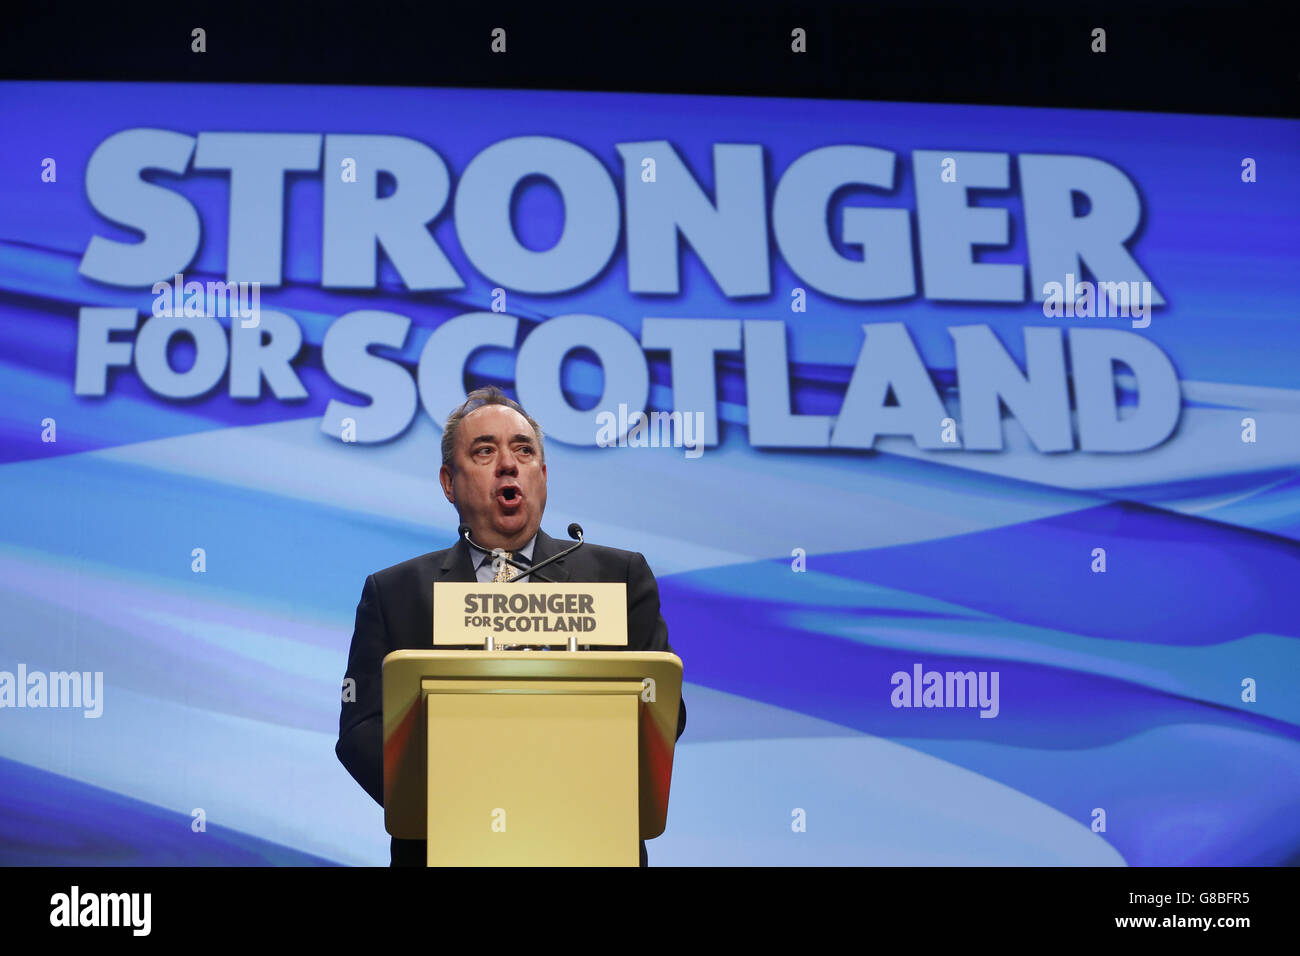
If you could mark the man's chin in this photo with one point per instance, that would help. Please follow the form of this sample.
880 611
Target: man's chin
509 526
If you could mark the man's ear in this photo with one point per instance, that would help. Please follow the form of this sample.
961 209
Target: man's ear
444 478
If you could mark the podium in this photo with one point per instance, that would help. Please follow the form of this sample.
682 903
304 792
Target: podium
529 758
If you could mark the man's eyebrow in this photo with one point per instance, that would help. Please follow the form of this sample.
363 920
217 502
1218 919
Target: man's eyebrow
492 439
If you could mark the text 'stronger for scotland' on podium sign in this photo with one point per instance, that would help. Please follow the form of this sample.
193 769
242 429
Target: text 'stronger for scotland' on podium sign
531 614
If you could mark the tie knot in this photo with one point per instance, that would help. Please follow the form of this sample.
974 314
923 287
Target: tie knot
502 568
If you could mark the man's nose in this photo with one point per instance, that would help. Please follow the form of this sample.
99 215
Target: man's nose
506 463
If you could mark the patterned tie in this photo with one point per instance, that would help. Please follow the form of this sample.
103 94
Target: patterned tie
504 570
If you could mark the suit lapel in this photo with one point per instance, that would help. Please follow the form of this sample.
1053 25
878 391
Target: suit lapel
545 547
457 566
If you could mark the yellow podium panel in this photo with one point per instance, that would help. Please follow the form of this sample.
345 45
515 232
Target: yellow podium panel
518 777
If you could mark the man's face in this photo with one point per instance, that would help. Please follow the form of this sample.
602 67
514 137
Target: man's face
498 484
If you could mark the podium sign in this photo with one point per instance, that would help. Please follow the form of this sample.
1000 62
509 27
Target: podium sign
529 614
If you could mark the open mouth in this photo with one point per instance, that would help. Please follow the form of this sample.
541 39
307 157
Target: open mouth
509 496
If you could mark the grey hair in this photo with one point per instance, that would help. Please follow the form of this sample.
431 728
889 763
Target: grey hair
488 395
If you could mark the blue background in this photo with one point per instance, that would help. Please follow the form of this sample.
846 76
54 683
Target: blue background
1119 691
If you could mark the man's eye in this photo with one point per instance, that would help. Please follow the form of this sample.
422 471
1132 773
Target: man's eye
482 450
526 449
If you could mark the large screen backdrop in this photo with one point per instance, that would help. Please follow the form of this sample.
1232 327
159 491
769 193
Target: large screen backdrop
969 465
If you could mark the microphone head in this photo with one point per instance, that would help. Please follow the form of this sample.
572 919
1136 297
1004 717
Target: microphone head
463 531
575 531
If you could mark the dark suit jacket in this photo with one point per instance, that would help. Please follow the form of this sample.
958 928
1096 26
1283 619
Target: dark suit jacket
396 612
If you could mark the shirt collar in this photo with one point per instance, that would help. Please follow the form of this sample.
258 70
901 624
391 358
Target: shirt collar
526 551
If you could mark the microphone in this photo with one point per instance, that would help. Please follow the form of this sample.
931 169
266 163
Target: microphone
575 532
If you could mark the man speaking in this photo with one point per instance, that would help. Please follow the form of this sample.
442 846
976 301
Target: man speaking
494 474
